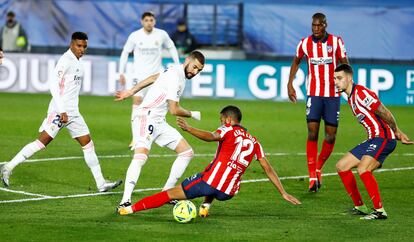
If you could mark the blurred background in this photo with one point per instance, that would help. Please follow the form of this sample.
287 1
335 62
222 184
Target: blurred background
249 44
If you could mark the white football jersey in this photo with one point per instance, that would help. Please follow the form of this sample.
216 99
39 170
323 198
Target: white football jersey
147 48
169 86
65 85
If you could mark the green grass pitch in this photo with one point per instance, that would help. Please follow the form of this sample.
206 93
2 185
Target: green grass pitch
257 213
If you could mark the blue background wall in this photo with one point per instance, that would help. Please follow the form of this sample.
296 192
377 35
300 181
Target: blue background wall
371 29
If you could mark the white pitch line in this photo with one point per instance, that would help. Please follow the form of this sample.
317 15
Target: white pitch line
24 193
174 155
158 189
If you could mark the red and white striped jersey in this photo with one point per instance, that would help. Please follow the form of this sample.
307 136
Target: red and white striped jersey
322 60
234 154
364 103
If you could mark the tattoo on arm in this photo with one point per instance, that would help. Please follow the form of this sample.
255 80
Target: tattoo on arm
387 116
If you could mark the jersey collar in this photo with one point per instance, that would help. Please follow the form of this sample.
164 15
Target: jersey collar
324 39
72 55
353 89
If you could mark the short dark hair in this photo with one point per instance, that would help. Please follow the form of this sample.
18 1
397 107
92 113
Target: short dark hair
11 14
197 55
233 112
345 68
79 35
147 14
320 16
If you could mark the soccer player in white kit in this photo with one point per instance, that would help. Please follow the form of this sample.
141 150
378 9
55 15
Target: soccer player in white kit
63 112
146 44
150 125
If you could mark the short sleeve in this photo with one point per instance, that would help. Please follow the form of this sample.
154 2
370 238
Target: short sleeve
368 99
340 50
167 42
299 50
129 44
174 91
258 151
223 130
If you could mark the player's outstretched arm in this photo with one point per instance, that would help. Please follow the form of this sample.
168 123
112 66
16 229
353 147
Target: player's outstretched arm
387 116
273 177
293 69
121 95
201 134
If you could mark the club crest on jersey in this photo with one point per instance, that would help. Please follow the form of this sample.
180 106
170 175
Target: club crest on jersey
329 48
157 43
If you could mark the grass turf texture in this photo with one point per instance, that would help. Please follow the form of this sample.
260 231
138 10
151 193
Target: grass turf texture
257 213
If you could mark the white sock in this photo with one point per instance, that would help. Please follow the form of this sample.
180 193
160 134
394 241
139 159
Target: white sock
93 163
25 153
178 168
132 176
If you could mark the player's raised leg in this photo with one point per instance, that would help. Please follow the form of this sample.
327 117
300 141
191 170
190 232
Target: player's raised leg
92 161
344 166
26 152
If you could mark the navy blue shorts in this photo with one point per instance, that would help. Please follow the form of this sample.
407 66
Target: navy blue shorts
378 148
326 108
194 186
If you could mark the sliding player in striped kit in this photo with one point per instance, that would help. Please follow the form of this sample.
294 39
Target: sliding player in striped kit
368 156
221 178
146 43
150 125
323 51
64 112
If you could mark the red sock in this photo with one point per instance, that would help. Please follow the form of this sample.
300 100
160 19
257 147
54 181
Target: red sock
372 187
312 153
154 201
348 179
324 155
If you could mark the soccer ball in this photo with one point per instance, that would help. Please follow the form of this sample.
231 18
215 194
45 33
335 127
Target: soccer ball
184 211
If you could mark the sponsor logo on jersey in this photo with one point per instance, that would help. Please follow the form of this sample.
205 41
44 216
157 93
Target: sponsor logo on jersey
321 60
368 101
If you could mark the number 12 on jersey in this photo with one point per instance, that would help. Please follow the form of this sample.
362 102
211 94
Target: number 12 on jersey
239 155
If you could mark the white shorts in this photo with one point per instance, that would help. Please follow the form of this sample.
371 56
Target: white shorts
148 130
76 125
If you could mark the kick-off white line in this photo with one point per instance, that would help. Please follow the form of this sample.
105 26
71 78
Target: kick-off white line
174 155
158 189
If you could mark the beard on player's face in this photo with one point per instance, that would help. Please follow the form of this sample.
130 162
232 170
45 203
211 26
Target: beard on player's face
187 72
